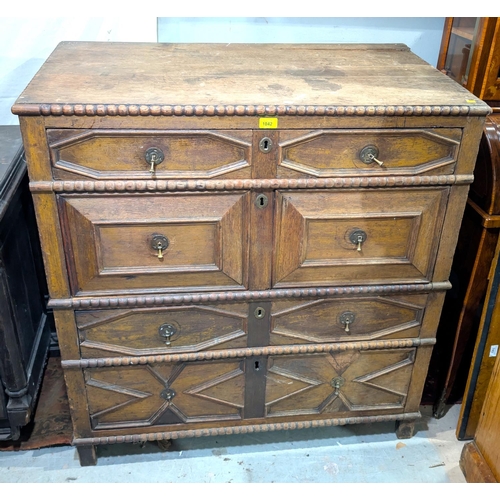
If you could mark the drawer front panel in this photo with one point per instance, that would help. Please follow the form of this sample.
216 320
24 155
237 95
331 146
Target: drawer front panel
195 328
107 154
147 332
356 237
331 153
341 383
171 393
123 243
347 320
346 381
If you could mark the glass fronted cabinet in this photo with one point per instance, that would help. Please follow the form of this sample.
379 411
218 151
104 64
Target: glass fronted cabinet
470 54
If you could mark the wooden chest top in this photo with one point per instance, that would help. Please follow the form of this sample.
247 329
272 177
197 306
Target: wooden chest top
82 78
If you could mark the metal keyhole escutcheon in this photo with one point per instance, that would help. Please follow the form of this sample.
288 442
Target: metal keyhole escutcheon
259 312
261 201
265 145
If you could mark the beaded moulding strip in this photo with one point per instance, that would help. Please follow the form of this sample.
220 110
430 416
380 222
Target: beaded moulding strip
243 429
246 352
56 109
138 186
201 298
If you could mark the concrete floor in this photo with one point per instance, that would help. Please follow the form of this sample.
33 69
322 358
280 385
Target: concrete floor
350 454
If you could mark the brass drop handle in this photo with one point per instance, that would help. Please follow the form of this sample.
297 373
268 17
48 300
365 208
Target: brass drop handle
154 156
160 253
359 240
167 394
347 325
153 164
369 155
337 383
167 331
372 158
159 243
346 319
358 237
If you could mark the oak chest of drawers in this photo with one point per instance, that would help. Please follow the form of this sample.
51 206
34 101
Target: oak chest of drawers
241 238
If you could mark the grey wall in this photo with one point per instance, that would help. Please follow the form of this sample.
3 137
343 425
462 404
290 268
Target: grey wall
26 42
421 34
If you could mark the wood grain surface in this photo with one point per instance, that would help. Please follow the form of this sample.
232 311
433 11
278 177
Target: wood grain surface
259 269
254 74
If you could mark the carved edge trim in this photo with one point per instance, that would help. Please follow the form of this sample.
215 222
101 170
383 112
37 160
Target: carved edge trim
123 186
243 429
200 298
56 109
246 352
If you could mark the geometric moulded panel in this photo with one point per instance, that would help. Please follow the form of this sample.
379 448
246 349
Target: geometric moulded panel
114 154
170 393
162 330
347 319
155 243
345 381
344 237
333 153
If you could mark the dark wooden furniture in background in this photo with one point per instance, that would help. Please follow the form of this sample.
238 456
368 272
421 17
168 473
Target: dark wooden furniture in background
470 54
25 333
465 304
244 238
485 198
480 459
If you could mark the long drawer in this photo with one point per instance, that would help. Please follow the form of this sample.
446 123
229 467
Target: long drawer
171 394
167 154
235 325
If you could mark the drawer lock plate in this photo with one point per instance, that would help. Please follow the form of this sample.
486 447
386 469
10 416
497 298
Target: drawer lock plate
265 145
259 312
261 201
